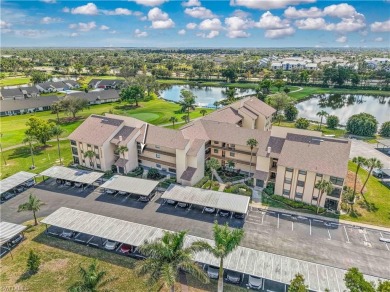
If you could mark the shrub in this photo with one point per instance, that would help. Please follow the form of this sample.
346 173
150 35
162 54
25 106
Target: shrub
241 189
290 112
33 262
332 122
385 129
138 171
362 124
302 123
154 174
200 183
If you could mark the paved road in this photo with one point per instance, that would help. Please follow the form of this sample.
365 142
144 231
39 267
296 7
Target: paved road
299 238
361 148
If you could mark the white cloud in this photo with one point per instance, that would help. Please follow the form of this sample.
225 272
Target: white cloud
104 27
88 9
347 25
30 33
380 26
74 34
149 2
118 11
113 32
163 24
240 13
49 20
140 34
160 19
233 34
311 23
342 39
210 24
236 27
49 1
191 3
342 10
66 9
378 39
269 21
212 34
82 26
191 25
279 33
182 32
4 24
199 12
312 12
267 4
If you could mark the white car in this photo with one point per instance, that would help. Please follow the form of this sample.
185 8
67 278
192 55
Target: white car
110 192
170 202
7 196
110 245
209 210
67 234
78 185
377 173
143 199
19 189
29 183
213 272
122 193
233 277
68 183
182 205
254 283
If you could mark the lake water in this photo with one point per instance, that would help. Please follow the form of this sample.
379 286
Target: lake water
345 105
206 96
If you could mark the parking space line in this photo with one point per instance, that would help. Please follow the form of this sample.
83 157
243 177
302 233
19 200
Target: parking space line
292 226
318 278
310 225
346 233
385 242
327 277
262 218
330 237
278 220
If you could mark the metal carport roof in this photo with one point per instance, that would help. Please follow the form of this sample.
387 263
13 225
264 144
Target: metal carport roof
245 260
207 198
9 231
15 180
132 185
72 174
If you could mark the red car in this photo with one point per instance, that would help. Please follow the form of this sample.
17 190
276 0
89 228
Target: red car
125 248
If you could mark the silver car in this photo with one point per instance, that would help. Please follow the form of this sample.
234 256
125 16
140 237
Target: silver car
254 282
233 277
110 245
67 234
209 210
213 272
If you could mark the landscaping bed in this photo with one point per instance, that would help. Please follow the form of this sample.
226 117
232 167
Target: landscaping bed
239 189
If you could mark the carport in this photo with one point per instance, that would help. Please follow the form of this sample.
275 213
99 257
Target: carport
385 143
84 177
15 180
244 260
7 232
207 198
131 185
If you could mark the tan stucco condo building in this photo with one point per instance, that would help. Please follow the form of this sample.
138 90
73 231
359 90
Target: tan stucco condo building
291 158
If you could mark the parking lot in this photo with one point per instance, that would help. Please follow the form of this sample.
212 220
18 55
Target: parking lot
335 245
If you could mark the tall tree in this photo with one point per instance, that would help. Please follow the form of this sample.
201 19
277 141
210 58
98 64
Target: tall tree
216 104
213 164
252 143
230 73
33 204
355 282
40 129
322 114
73 104
29 139
279 84
56 108
371 163
265 85
230 94
173 120
290 112
93 279
225 241
132 92
324 187
57 132
298 284
38 77
187 102
360 161
278 100
121 150
166 257
91 156
279 118
203 112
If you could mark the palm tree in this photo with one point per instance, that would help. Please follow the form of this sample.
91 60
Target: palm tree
187 101
90 154
322 114
173 120
252 143
203 112
323 186
57 131
225 241
213 164
371 164
279 118
166 257
230 93
230 164
33 204
185 118
92 279
29 139
359 160
348 197
121 150
216 104
56 107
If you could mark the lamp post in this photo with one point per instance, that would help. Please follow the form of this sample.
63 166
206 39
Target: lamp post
1 149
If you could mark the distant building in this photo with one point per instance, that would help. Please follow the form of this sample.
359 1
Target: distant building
11 107
98 97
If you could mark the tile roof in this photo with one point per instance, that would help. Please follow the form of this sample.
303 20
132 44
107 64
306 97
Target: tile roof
127 133
11 92
30 89
258 106
97 95
121 162
96 130
261 175
163 137
188 173
21 104
317 154
226 114
276 145
196 145
248 112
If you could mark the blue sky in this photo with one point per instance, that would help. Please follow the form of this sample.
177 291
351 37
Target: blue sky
195 23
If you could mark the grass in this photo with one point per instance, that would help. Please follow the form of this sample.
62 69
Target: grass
60 260
18 80
156 112
376 210
19 159
314 127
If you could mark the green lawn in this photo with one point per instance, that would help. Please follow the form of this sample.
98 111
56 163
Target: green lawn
59 269
313 127
376 210
156 112
18 80
20 159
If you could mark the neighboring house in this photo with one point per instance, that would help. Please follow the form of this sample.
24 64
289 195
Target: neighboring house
10 107
11 93
29 91
293 159
276 65
106 83
71 84
93 83
45 87
98 97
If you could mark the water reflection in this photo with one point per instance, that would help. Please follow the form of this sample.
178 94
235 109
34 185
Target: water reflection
346 105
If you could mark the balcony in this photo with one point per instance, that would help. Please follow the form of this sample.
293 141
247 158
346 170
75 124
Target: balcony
141 157
233 149
147 149
235 160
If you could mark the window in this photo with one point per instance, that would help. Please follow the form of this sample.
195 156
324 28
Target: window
319 175
96 148
232 145
91 164
139 161
216 142
97 156
287 180
157 155
315 198
83 160
158 165
88 145
289 169
74 151
298 195
286 192
335 193
98 166
336 180
215 150
301 183
76 160
158 147
302 172
72 142
172 170
232 154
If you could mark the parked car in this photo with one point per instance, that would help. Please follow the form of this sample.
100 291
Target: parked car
233 277
224 213
377 173
59 181
182 205
7 196
213 272
110 192
29 183
122 193
209 210
170 202
110 245
125 248
14 241
239 215
254 283
68 183
78 185
67 234
19 189
143 199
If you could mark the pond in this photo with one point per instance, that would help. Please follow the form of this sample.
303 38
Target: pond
206 96
345 105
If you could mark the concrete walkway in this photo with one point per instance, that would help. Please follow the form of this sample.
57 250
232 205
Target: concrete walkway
296 90
217 176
